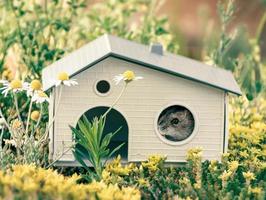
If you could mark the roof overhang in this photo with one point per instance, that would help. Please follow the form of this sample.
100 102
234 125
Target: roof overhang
111 46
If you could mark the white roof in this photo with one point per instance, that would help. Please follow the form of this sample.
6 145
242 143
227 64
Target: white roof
108 45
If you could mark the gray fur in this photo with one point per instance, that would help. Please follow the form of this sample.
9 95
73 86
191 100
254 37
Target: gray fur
176 123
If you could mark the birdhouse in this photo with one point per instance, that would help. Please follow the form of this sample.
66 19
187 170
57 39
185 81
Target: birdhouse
180 104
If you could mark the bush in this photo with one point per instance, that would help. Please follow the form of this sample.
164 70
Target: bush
31 182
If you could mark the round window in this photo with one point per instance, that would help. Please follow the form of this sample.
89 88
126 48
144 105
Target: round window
103 86
175 123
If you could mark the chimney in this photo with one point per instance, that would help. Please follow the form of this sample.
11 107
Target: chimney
156 48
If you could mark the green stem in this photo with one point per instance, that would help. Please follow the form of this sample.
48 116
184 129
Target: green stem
55 114
115 102
16 105
64 152
6 124
38 122
261 25
28 119
1 142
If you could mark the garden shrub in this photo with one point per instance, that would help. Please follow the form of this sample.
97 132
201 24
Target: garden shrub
31 182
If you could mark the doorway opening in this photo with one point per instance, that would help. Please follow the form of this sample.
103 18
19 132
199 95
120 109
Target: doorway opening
114 121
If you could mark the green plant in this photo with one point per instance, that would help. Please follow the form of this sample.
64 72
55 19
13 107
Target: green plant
28 139
30 182
34 34
90 136
27 142
238 53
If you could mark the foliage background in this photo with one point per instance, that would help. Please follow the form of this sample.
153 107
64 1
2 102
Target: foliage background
35 33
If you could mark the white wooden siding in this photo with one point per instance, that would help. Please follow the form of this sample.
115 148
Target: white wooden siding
140 104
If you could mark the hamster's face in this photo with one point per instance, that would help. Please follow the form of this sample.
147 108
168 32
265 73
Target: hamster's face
175 123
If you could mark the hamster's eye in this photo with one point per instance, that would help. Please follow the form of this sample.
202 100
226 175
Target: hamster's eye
174 121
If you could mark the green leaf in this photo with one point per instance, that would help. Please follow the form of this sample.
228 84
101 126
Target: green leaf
78 156
115 150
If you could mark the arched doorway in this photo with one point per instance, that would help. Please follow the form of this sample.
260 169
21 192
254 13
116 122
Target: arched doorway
114 120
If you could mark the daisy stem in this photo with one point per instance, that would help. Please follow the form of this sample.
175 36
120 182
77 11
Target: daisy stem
38 122
28 119
60 156
55 114
115 102
6 124
1 142
16 105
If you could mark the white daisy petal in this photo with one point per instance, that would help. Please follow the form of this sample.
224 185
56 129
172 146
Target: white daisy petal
73 82
25 85
57 83
3 82
138 78
67 83
40 97
29 92
5 92
118 78
4 88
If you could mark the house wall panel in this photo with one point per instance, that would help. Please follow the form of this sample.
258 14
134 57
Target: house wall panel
140 105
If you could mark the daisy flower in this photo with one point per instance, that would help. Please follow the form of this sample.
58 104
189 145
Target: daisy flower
40 97
63 78
14 86
127 76
33 87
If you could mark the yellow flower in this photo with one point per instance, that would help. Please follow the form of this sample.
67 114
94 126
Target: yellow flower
194 153
130 193
16 84
244 154
184 181
153 162
63 76
35 115
255 190
197 185
233 166
213 165
225 175
36 85
143 182
30 180
226 155
249 176
96 186
127 76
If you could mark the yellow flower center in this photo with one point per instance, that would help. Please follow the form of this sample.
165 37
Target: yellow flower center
129 75
63 76
35 85
35 115
16 84
42 94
